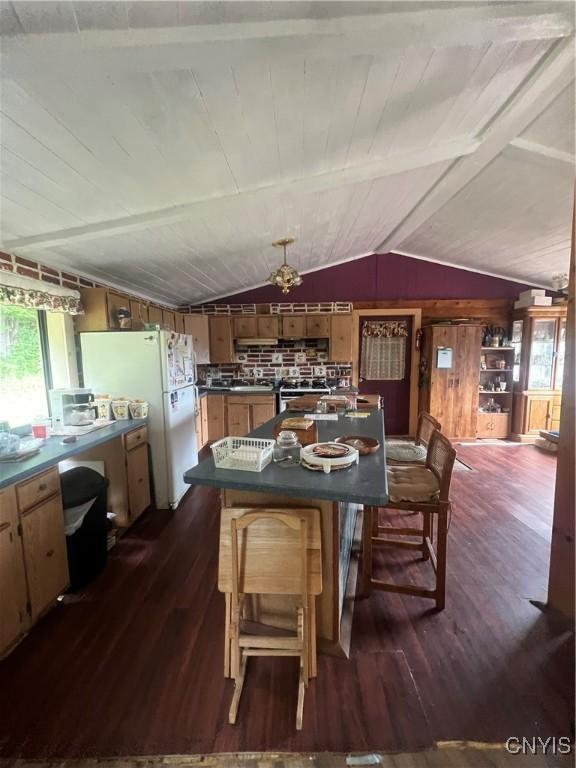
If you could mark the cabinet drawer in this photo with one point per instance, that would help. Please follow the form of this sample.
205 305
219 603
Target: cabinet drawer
134 438
8 512
40 487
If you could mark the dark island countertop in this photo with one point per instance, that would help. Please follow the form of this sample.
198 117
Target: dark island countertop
363 483
54 451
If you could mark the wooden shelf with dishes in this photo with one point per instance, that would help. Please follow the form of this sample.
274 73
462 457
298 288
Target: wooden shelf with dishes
495 391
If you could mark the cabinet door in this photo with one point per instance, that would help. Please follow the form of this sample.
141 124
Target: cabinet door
215 413
13 615
197 327
204 416
537 413
44 545
268 327
179 322
115 301
238 416
341 339
293 326
318 326
168 319
261 412
245 327
442 379
466 381
139 312
221 348
155 315
138 477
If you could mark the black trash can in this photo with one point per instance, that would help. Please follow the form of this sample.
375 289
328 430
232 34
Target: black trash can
84 497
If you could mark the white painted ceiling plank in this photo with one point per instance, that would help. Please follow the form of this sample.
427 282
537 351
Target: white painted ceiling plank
540 90
320 182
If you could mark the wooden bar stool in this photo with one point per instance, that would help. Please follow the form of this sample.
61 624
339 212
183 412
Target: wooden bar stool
265 551
413 452
424 489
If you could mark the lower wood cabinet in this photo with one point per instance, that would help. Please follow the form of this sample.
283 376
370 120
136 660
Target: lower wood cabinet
33 559
248 412
216 417
45 556
14 616
202 422
534 412
138 480
495 425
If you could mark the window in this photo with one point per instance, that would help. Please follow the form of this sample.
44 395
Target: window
36 353
23 382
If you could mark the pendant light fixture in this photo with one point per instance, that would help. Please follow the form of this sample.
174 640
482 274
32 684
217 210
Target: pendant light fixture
285 277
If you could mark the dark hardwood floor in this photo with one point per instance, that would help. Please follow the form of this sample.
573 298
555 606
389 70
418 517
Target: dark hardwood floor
135 665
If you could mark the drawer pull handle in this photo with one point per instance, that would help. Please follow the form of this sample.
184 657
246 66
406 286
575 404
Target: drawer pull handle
42 487
50 553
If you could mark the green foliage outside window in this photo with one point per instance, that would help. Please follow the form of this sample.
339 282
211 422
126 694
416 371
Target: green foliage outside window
20 353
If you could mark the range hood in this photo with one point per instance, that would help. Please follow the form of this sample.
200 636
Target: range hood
256 342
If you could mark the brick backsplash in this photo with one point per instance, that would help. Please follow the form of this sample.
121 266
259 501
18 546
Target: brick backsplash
275 362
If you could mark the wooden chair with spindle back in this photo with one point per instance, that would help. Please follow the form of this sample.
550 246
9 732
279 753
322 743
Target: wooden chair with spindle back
413 488
265 551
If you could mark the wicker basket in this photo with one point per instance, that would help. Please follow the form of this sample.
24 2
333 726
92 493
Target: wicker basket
250 454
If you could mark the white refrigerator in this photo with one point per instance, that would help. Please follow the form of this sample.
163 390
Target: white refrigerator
159 367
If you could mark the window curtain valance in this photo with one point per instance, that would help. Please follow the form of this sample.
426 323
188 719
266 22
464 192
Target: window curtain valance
383 350
386 329
37 294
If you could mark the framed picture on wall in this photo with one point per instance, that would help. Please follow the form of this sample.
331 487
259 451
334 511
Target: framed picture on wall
444 357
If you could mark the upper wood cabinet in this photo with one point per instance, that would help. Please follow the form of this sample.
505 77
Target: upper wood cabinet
293 326
256 327
341 338
197 327
100 307
221 344
318 326
168 320
155 315
179 322
139 311
245 327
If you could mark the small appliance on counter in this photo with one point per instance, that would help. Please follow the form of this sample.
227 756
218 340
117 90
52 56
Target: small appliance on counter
71 407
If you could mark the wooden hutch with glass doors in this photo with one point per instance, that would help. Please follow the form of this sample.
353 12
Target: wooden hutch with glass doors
538 338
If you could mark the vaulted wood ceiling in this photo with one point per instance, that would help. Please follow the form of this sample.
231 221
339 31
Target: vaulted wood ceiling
162 146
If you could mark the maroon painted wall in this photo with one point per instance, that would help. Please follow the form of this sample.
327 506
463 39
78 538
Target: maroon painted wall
387 276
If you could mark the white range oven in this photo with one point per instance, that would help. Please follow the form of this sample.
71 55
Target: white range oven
291 392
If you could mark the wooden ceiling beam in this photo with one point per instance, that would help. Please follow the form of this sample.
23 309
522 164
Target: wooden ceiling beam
223 45
388 166
543 150
553 74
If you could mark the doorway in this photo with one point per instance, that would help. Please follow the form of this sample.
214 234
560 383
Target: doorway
385 365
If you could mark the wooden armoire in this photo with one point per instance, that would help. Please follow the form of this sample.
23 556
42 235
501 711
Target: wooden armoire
450 394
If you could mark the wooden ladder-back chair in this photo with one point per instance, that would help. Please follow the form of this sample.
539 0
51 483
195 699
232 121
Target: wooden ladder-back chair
265 551
413 488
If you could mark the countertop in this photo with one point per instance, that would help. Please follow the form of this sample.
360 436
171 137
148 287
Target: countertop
364 483
54 451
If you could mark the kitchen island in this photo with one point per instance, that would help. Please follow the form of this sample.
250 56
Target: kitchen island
339 496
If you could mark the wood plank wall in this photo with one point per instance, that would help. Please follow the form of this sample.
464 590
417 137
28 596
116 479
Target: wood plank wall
489 311
561 588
